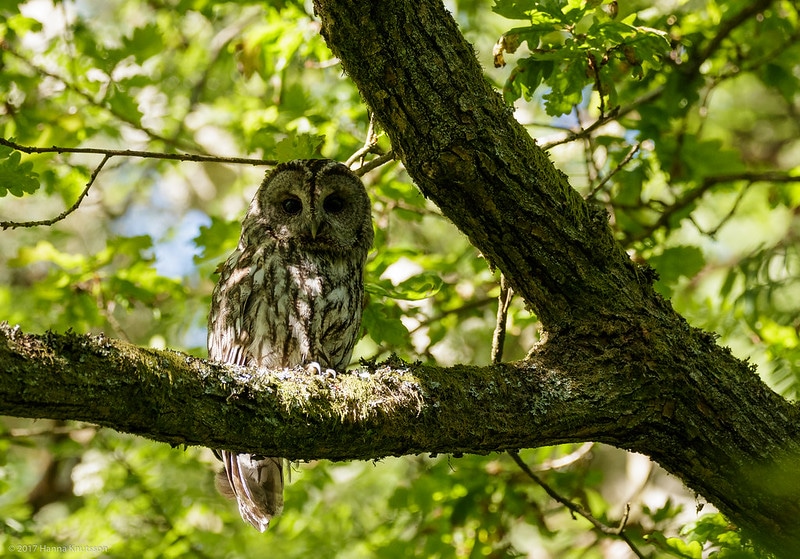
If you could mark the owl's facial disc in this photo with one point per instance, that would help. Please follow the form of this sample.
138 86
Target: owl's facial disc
316 205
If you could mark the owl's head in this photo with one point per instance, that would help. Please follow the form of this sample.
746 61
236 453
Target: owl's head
316 204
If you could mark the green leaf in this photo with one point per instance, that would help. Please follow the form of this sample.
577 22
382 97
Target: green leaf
216 240
145 42
709 157
298 146
525 78
692 550
674 263
44 251
414 288
566 85
384 328
123 105
513 9
15 177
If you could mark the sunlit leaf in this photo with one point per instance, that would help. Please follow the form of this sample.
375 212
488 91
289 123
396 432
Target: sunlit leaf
16 177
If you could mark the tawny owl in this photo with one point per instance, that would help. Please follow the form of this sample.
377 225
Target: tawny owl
290 295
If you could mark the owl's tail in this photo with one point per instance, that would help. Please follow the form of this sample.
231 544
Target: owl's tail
256 483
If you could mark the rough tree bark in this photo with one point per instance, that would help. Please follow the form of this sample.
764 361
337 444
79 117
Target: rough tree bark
712 422
618 365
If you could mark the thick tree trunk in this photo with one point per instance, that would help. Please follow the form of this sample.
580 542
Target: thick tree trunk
703 415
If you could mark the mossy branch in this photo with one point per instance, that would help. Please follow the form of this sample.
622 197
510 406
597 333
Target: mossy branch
391 408
701 415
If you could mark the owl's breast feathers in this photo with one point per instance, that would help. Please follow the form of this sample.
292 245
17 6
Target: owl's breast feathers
280 308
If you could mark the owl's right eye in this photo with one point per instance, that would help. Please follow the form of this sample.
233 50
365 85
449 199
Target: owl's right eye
292 205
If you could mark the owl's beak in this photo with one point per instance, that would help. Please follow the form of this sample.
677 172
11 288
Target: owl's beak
315 226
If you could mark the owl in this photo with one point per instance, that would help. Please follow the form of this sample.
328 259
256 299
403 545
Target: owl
291 294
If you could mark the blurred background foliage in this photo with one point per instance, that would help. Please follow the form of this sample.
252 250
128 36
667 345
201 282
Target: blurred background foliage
680 117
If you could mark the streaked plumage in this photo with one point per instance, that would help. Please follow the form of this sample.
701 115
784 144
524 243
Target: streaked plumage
290 294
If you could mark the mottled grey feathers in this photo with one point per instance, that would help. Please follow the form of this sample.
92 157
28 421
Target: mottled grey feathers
290 294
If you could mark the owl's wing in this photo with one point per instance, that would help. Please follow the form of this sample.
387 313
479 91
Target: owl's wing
227 336
256 482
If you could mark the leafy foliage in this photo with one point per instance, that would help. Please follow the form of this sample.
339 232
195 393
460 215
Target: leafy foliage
679 119
575 44
16 177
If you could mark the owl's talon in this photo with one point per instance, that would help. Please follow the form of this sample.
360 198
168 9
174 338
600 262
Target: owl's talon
316 368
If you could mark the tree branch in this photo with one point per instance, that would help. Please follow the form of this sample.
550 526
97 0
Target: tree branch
605 388
143 154
694 194
47 222
575 508
725 29
109 153
388 409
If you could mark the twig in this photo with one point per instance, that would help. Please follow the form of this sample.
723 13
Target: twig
47 222
375 163
369 144
618 531
724 30
634 150
713 232
503 302
572 136
108 154
698 192
565 461
616 113
143 154
595 68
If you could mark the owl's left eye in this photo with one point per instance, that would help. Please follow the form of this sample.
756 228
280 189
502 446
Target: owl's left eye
333 204
292 205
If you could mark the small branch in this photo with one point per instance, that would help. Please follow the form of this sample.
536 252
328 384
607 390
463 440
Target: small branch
634 150
503 302
595 68
725 29
370 142
713 232
374 164
567 460
699 191
618 531
142 154
47 222
108 154
615 114
572 136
